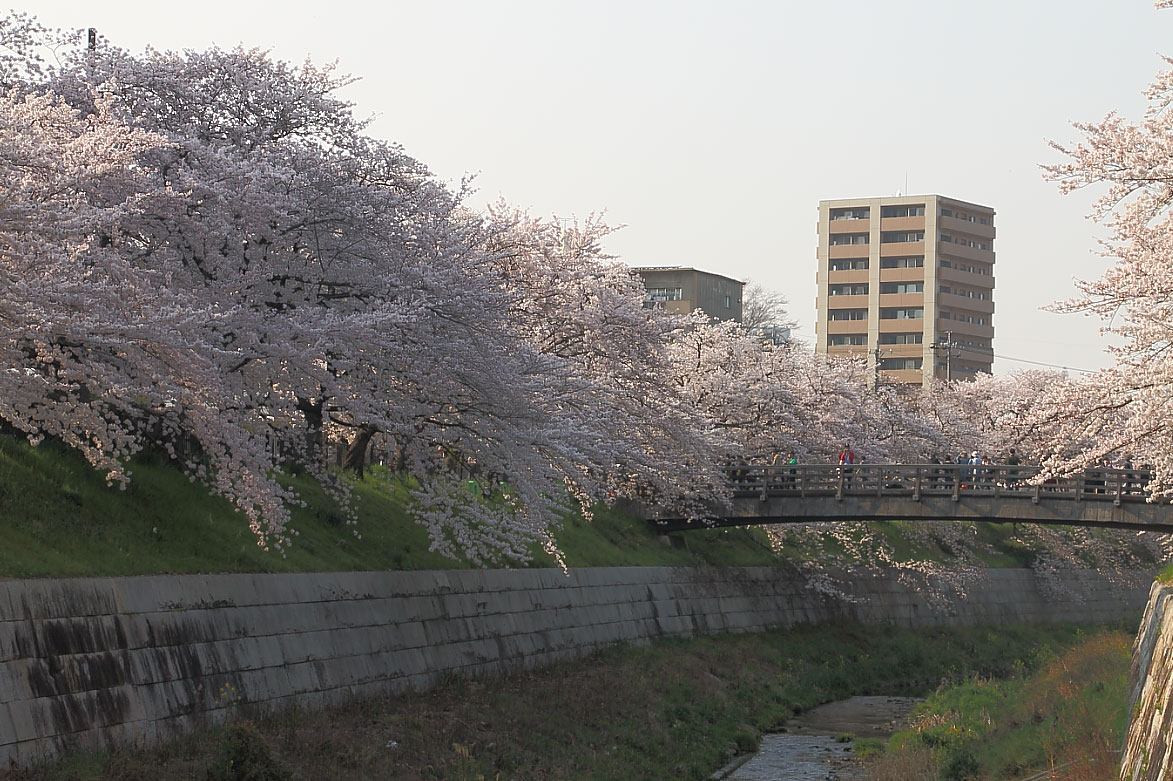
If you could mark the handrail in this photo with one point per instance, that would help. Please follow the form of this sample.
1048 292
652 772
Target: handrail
954 480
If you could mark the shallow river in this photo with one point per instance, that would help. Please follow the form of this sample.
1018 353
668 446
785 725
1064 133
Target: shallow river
808 749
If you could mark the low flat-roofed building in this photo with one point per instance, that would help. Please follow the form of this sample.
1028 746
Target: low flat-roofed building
680 289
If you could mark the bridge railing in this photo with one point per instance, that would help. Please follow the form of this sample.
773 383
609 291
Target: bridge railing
917 480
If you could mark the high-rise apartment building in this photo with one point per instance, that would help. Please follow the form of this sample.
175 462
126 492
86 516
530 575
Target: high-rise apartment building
908 281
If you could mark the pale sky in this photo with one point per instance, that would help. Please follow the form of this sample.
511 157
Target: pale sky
712 129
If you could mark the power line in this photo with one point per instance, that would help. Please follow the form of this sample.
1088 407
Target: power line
802 333
1048 365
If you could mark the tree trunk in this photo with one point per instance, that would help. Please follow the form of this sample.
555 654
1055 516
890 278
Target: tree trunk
313 410
356 453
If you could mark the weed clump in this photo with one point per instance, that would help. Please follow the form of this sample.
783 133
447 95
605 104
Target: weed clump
243 755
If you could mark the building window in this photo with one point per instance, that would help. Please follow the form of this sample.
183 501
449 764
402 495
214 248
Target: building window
853 213
847 314
909 210
902 287
840 340
900 237
859 289
849 264
901 338
843 239
898 364
912 262
666 293
902 313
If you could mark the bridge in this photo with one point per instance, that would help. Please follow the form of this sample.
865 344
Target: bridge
804 493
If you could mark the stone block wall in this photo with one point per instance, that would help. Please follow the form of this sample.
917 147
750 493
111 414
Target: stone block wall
1146 754
104 661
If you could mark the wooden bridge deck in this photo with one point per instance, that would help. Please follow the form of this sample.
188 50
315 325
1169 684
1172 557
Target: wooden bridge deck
805 493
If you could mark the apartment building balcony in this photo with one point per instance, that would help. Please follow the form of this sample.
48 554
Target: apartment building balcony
847 350
973 279
902 274
975 229
849 276
909 325
902 223
952 301
901 351
847 302
974 355
899 249
962 327
848 251
846 326
848 226
901 376
965 252
902 299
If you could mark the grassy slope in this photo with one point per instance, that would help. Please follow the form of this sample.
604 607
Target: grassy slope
1070 714
58 518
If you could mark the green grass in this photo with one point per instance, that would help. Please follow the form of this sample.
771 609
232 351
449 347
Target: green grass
58 518
1067 708
679 708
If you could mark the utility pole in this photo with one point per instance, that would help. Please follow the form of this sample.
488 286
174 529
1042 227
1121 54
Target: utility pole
947 346
876 353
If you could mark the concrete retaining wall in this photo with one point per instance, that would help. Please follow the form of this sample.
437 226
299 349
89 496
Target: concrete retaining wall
1146 749
104 661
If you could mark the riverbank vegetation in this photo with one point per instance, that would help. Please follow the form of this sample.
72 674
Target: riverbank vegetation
1067 716
679 708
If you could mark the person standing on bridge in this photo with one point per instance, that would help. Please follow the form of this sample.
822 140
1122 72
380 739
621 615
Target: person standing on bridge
974 470
846 461
1012 461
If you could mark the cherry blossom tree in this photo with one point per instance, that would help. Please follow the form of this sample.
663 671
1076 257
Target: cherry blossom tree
992 414
1126 409
293 283
220 256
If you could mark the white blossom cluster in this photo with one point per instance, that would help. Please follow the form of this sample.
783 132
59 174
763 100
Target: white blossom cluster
204 253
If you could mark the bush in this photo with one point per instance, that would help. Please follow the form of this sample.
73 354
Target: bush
244 756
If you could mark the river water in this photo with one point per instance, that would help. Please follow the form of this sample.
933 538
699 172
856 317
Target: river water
809 750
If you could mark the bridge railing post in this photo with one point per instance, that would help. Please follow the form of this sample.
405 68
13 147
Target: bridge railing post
957 484
916 484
